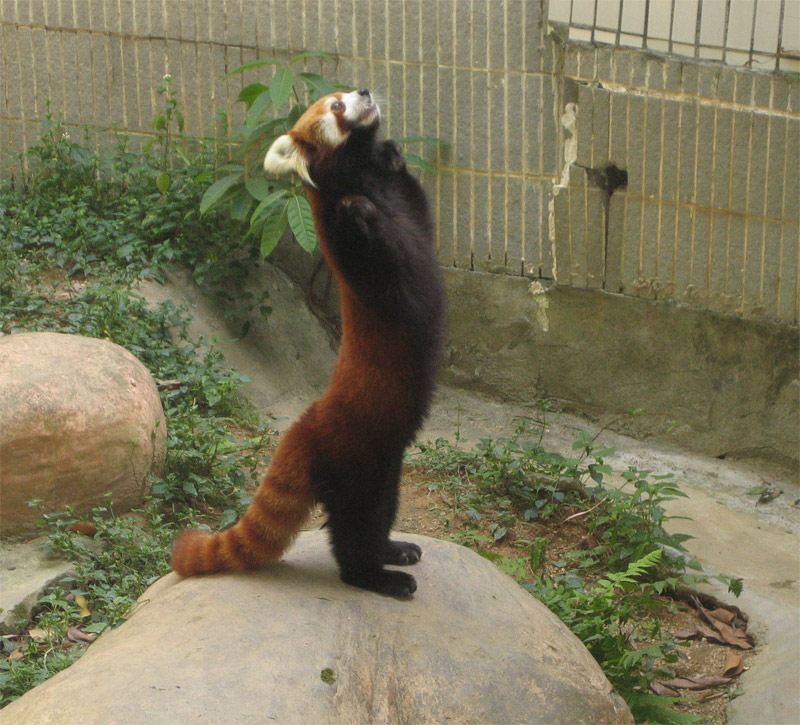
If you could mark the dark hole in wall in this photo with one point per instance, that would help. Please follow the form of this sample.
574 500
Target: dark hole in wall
609 178
615 178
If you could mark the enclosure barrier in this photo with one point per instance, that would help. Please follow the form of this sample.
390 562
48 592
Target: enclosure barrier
647 171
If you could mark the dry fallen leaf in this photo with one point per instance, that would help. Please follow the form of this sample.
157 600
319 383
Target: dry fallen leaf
661 689
84 610
696 683
17 654
710 634
41 635
721 614
691 633
734 665
727 634
75 635
84 527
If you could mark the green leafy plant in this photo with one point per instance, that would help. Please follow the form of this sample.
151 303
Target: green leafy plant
516 482
267 205
600 614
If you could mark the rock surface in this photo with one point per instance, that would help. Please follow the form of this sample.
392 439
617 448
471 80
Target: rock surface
81 417
292 644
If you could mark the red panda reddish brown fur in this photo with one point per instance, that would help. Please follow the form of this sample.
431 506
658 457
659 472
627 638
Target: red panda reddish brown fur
346 450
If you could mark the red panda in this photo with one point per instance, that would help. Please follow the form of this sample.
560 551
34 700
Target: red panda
346 450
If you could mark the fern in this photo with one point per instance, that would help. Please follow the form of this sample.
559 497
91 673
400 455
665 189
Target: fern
597 615
618 580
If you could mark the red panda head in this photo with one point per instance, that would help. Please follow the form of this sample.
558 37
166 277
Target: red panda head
321 129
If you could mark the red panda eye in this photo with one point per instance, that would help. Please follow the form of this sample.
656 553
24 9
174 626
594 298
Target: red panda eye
337 106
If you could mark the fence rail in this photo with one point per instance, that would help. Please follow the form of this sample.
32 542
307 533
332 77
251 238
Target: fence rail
762 34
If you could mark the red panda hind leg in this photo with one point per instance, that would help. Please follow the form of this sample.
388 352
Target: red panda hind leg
361 506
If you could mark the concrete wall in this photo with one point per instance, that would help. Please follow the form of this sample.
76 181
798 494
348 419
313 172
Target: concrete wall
712 154
706 381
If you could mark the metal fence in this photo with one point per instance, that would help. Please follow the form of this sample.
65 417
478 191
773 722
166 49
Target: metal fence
763 34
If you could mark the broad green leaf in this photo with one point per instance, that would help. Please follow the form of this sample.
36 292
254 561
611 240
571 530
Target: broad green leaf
311 54
218 191
281 87
318 85
253 64
182 155
257 108
273 228
248 94
262 133
202 176
297 110
258 187
301 220
264 207
241 204
163 181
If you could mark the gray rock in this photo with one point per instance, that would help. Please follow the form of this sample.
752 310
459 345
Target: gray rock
81 417
292 644
26 573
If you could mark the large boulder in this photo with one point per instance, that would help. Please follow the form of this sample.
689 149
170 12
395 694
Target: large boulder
293 644
79 418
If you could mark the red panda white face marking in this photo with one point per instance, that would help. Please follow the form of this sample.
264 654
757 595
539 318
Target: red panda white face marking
324 126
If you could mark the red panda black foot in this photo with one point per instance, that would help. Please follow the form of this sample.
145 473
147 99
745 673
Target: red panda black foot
396 584
401 553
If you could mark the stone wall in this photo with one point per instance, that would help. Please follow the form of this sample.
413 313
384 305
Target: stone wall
711 153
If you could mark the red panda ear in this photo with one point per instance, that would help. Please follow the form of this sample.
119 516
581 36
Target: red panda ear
285 156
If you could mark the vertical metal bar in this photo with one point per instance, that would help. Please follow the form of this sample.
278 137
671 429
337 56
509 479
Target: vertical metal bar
725 29
594 19
671 23
619 23
779 49
752 34
646 22
698 22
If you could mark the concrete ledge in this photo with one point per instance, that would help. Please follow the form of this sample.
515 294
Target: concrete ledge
709 382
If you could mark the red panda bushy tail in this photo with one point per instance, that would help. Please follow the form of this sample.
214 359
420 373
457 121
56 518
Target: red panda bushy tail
279 509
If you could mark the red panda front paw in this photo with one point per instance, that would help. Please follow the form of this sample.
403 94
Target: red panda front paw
401 553
359 211
392 157
357 206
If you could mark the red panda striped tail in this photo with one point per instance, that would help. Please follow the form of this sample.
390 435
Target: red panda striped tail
260 537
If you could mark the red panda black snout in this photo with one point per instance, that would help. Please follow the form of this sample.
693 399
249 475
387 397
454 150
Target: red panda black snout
324 126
